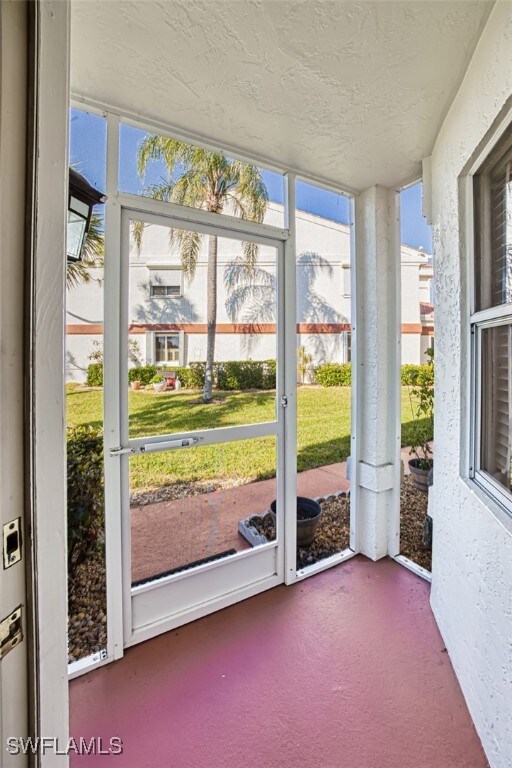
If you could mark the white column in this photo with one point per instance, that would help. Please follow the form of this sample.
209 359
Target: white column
376 471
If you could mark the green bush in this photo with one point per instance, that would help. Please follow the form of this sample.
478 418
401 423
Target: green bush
245 374
94 375
144 374
333 375
409 374
85 492
338 374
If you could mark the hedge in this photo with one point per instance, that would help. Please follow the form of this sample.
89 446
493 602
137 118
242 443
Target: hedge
245 374
333 375
85 503
338 374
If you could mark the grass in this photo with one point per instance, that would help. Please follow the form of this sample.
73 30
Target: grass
323 432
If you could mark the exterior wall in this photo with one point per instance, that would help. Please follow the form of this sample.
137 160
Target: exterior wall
323 298
472 557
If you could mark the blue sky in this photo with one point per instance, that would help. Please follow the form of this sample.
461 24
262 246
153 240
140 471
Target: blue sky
88 154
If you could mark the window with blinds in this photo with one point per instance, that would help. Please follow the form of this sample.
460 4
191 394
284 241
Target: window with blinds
492 322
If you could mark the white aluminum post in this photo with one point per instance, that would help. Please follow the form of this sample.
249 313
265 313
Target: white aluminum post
395 310
116 607
355 414
375 461
290 332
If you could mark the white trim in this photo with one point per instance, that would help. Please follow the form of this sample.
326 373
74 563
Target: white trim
113 552
414 567
396 416
45 374
355 410
153 211
204 609
290 367
172 578
489 316
155 125
323 565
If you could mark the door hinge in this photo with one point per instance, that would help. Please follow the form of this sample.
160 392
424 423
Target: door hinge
11 633
284 401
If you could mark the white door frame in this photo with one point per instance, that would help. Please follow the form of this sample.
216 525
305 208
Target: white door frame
215 582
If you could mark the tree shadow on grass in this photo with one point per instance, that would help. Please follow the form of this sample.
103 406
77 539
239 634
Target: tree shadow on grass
166 413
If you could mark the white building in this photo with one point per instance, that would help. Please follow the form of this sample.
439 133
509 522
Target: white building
167 312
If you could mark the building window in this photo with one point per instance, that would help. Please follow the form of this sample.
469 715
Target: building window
491 324
347 347
167 348
164 290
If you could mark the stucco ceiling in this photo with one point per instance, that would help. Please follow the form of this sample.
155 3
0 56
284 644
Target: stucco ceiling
352 92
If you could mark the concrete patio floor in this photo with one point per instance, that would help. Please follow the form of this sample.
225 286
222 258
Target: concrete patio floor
346 668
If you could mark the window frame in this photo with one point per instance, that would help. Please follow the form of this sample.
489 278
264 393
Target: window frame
153 295
177 363
481 319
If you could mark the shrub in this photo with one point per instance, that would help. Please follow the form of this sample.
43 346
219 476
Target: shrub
409 374
333 375
85 492
94 375
157 379
245 374
144 374
421 397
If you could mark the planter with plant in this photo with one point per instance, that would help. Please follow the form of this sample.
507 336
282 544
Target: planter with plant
309 513
159 383
421 397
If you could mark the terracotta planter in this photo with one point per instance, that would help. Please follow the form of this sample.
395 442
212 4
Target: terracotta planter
419 476
306 528
135 385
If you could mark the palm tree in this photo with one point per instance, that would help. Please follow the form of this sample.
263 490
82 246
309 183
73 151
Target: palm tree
199 178
79 272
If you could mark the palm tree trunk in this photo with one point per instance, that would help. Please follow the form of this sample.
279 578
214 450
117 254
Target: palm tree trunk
211 318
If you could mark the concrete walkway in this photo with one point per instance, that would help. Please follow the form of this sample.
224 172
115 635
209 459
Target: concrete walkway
170 534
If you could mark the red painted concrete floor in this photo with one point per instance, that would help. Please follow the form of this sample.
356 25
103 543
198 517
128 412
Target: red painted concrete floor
169 534
346 668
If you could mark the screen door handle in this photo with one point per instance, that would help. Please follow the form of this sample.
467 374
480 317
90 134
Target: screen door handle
167 445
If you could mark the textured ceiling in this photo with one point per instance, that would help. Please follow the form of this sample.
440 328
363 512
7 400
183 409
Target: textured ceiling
352 92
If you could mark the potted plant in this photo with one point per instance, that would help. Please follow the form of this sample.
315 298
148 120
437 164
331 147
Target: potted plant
159 383
421 397
309 513
135 384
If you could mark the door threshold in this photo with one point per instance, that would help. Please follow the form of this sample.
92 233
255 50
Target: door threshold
414 567
322 565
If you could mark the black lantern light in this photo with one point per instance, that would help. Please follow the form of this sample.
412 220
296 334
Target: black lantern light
82 199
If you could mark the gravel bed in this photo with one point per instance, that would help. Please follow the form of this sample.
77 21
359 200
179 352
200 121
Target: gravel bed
178 490
87 607
413 510
332 536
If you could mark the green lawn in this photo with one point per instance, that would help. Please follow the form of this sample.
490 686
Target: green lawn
323 432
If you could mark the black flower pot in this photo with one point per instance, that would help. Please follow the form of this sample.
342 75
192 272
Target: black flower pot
309 513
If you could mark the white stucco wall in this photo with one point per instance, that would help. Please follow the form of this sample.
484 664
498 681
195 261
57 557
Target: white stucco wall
472 557
323 296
